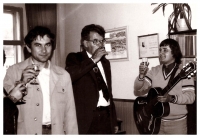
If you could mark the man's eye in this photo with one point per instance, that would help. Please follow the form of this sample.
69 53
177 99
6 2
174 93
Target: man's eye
38 45
95 40
48 45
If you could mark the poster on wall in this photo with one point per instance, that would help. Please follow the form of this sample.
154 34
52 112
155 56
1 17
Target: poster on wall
116 44
148 46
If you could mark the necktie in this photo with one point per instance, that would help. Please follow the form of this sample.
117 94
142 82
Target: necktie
101 83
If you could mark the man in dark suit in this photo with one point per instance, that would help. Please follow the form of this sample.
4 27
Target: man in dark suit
91 79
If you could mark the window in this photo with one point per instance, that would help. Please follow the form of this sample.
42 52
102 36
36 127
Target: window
12 35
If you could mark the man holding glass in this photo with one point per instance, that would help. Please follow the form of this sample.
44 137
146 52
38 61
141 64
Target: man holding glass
49 106
91 77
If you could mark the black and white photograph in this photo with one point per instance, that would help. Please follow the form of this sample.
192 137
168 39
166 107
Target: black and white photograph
99 68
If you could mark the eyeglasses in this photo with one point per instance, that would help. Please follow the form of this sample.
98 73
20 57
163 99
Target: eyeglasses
96 41
164 50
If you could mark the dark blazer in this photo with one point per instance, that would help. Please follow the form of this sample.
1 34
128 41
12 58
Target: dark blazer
86 94
10 116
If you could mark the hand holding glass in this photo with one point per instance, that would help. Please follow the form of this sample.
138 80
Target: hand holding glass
23 92
36 68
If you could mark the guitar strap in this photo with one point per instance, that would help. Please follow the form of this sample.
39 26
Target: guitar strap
169 85
173 73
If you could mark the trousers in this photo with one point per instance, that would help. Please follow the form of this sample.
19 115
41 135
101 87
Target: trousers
101 122
173 127
46 129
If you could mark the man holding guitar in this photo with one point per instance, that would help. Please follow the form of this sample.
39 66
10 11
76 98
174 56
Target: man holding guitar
163 110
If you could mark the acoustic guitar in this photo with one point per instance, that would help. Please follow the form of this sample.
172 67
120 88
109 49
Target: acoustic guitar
148 111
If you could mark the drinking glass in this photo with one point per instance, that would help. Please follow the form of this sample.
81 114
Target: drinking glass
36 68
145 61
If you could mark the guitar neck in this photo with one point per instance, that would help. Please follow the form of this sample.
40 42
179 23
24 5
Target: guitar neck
171 85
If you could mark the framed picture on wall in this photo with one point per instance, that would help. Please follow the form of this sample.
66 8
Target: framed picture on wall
116 44
148 45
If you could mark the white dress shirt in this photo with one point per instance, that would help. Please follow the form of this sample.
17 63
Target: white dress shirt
43 79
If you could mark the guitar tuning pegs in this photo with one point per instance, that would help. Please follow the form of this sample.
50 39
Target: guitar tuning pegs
192 74
189 76
183 66
186 64
195 71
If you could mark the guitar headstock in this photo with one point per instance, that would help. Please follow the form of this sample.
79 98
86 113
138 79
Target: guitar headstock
189 69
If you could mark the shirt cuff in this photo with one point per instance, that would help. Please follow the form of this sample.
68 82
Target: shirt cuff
12 98
175 99
93 60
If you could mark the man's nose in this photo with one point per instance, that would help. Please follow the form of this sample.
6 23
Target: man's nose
161 51
44 49
100 44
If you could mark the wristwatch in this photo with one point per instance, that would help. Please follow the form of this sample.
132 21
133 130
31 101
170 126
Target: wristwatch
12 98
173 98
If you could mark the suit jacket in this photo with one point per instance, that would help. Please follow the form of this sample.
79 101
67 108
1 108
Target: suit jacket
63 113
86 93
10 115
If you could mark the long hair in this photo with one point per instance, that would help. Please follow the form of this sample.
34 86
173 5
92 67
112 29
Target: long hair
174 46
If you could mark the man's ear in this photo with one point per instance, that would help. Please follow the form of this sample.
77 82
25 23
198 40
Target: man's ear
28 48
85 43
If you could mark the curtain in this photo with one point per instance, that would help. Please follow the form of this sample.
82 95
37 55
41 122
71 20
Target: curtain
43 15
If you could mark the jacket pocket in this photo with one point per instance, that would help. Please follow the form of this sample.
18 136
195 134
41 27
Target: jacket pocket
60 95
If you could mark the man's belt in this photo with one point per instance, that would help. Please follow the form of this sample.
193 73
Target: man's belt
101 108
46 126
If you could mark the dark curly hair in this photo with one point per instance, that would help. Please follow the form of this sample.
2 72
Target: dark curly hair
174 45
91 28
39 31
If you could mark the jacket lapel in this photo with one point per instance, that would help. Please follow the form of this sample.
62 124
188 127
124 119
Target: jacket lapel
54 78
85 56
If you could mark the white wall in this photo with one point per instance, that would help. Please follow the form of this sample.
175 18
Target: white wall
137 17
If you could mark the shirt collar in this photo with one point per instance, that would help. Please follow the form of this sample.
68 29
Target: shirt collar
168 69
89 55
47 66
45 71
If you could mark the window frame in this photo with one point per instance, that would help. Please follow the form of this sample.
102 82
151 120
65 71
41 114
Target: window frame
20 11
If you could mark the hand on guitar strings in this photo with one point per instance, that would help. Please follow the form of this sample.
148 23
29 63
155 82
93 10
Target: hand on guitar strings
165 98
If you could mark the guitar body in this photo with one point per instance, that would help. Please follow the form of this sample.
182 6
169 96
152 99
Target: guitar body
148 112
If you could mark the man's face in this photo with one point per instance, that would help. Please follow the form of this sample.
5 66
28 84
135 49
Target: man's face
165 55
41 49
90 46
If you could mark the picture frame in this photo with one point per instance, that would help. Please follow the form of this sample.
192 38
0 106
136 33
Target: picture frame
116 44
148 46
